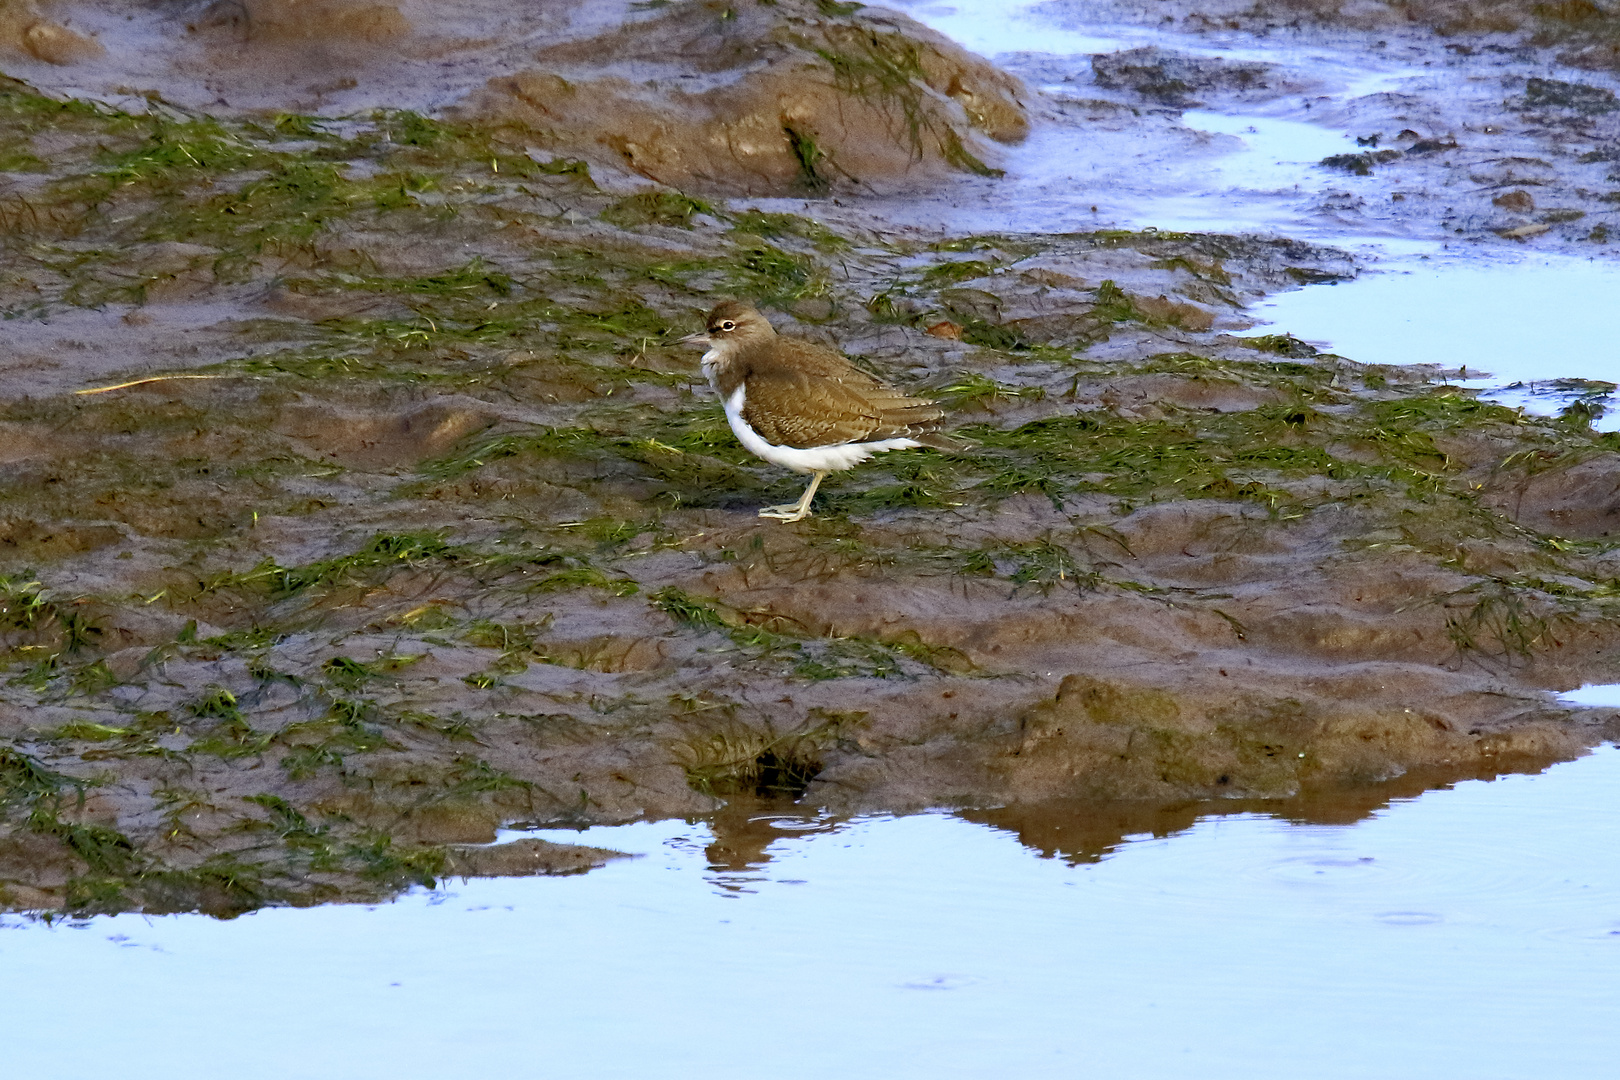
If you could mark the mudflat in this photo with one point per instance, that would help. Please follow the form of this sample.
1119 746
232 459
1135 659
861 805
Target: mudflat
358 500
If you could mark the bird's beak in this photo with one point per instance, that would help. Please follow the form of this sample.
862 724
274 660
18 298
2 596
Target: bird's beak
696 339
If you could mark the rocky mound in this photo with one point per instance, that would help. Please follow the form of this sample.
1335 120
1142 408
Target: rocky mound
764 99
787 97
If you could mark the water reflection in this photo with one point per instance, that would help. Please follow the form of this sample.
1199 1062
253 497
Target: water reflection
745 830
749 833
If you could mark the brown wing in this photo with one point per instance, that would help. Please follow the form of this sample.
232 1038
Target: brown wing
814 360
793 407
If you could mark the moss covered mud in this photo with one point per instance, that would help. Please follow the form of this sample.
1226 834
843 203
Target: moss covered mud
393 515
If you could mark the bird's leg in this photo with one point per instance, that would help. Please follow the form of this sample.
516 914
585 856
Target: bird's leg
795 511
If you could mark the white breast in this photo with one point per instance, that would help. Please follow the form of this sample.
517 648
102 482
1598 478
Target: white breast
811 459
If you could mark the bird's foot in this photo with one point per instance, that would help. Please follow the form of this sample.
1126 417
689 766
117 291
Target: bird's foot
786 512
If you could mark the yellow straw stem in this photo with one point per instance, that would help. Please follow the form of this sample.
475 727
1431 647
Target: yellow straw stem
150 379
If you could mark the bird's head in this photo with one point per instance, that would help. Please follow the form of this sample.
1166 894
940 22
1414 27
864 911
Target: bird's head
732 326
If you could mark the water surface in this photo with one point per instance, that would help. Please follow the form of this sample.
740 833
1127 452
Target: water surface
1519 322
1468 932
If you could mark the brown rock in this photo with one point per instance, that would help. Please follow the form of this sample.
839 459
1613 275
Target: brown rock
58 45
794 100
23 29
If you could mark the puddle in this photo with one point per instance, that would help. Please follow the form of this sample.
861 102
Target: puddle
1525 324
1466 932
1602 695
1276 154
994 28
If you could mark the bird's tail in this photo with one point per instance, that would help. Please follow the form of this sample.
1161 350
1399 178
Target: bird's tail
951 444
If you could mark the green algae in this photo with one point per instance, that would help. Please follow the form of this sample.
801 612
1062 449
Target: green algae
155 177
814 164
775 226
782 642
655 208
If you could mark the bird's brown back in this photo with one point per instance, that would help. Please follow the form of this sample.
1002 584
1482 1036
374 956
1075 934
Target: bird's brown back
801 394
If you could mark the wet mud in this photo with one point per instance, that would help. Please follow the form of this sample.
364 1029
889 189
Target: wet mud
765 99
394 514
1472 140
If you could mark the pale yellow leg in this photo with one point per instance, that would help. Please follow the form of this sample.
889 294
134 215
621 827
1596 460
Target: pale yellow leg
795 511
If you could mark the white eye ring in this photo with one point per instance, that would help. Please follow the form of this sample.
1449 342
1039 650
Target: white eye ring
728 325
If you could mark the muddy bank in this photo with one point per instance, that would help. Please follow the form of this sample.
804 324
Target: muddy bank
1584 34
1311 127
782 98
407 519
763 100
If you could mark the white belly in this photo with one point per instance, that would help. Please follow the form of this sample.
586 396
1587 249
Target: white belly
812 459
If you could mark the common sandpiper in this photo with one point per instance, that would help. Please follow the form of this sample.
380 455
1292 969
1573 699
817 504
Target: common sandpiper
804 406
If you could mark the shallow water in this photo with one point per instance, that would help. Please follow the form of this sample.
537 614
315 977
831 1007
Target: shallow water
1512 318
1467 932
996 27
1606 695
1524 321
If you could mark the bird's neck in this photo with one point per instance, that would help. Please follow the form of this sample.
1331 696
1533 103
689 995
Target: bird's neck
726 364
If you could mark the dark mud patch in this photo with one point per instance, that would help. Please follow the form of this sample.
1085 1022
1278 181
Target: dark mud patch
1174 79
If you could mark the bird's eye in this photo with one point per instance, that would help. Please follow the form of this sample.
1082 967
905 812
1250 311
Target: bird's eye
728 325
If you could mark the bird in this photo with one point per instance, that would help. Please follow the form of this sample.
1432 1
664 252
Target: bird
804 406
